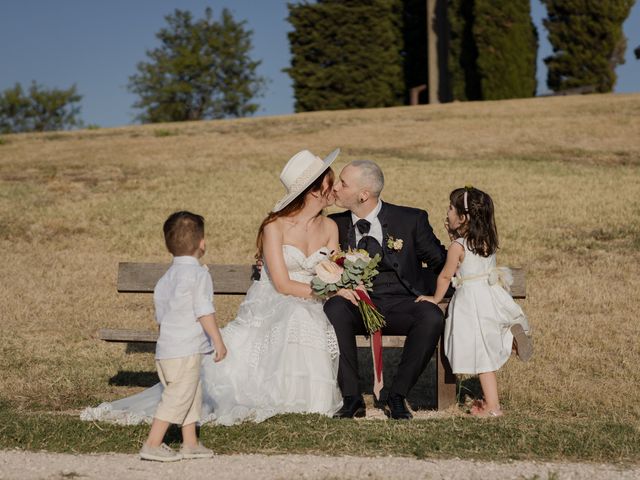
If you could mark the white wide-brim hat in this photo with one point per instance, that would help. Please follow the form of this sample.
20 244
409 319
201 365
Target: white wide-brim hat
301 171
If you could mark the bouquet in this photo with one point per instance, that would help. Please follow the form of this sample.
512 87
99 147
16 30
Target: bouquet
350 270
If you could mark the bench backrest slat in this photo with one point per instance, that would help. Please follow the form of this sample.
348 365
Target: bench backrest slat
229 279
142 277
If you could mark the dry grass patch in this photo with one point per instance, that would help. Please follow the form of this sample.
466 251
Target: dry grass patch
563 173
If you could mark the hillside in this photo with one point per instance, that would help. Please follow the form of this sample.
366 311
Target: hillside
564 174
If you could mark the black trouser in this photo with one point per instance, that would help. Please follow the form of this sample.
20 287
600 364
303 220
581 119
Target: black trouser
422 323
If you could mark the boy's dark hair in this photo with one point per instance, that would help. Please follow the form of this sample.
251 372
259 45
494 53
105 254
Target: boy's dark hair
183 232
480 228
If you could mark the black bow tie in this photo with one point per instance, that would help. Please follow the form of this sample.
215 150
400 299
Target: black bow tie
363 226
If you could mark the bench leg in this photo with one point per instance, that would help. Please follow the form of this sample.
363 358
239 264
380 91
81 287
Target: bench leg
446 380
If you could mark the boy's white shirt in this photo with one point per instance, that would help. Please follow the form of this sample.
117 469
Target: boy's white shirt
182 295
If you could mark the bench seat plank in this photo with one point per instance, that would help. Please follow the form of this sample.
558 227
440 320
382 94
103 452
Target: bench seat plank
150 336
127 335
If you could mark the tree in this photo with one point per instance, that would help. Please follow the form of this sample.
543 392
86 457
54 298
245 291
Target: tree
201 70
492 49
507 43
413 17
346 54
464 79
588 42
39 109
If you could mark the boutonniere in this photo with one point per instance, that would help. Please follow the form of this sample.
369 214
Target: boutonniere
394 244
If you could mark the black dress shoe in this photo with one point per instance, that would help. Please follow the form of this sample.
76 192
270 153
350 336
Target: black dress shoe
397 408
352 406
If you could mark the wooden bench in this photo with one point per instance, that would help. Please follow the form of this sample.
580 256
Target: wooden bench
236 280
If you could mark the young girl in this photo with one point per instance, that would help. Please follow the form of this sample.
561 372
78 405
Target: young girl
483 322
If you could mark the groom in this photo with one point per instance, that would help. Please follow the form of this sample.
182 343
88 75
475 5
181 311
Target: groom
404 239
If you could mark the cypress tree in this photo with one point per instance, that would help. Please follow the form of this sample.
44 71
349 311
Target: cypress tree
463 52
507 44
346 54
588 42
412 14
493 46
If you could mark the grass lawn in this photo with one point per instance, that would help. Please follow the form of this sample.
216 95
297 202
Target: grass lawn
565 177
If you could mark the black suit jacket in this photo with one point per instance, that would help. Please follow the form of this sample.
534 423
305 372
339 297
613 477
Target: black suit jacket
420 245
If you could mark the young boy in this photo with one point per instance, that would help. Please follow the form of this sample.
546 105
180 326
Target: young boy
184 308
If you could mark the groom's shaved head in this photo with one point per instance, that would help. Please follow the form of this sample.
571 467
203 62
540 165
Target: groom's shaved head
371 176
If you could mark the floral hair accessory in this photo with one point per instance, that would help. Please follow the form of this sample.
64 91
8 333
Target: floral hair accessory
467 188
394 244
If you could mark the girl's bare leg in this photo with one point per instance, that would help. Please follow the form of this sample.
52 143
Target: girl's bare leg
489 383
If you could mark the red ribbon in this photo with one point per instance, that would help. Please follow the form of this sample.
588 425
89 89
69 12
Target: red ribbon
376 348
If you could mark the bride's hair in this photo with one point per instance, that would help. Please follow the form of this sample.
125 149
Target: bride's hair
295 206
479 229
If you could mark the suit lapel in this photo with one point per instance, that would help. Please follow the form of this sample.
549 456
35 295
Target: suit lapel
382 218
351 233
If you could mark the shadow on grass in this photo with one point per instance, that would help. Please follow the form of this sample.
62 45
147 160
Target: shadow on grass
423 396
174 435
134 347
134 379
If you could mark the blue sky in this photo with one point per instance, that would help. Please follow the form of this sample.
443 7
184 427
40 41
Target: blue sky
97 44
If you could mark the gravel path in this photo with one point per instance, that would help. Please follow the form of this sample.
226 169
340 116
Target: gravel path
15 464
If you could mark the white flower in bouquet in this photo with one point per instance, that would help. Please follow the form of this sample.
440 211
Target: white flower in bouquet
329 272
354 255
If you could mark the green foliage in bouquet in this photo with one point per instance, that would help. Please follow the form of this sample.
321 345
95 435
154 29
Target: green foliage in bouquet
350 270
345 271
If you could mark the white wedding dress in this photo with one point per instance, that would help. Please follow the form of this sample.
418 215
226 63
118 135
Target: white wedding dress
282 358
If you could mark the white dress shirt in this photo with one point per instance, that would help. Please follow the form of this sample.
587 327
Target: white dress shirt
181 296
376 228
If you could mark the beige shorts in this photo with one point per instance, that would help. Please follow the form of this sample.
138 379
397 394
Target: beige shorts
182 396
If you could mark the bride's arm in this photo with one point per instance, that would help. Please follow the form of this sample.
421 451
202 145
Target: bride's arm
274 258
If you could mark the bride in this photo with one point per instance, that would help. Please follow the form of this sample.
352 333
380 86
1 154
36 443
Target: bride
282 350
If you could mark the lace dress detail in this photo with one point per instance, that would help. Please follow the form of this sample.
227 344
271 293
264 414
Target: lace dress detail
282 358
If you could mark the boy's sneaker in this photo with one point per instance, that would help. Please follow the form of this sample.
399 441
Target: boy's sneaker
524 346
163 453
199 451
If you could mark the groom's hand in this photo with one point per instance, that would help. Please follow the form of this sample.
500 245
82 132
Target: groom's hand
348 295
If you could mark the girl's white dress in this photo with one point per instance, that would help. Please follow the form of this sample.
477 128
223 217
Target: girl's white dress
282 358
477 336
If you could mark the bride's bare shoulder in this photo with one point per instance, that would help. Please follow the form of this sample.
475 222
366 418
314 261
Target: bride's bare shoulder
329 223
274 228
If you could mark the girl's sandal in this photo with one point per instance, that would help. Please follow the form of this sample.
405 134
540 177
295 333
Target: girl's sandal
524 346
476 407
489 413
